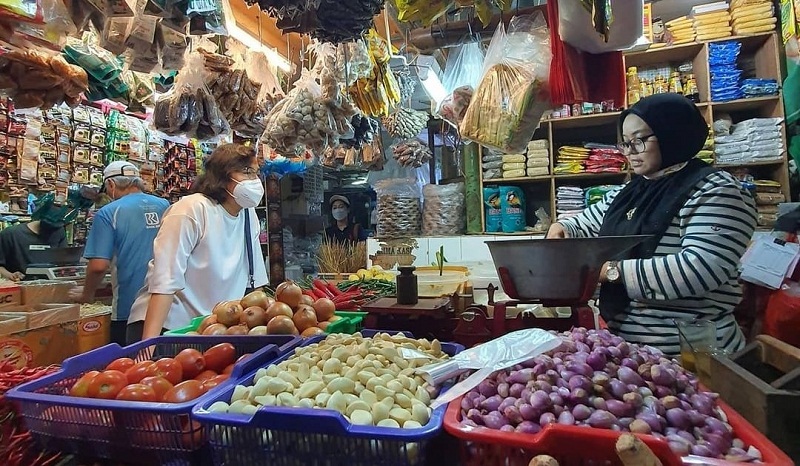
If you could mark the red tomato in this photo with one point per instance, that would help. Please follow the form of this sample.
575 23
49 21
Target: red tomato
184 391
219 356
168 368
137 392
81 387
139 371
121 364
107 384
160 386
214 381
205 375
228 369
192 362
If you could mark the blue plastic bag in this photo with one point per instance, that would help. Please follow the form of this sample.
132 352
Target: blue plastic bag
492 205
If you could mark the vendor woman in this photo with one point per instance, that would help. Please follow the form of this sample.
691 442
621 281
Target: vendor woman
343 228
700 220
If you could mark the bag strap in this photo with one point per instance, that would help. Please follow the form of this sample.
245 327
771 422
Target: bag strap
248 242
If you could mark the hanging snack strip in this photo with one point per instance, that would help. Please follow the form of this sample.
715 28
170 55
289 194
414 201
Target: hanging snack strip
34 79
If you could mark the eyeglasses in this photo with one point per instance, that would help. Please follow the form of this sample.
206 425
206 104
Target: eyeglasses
634 146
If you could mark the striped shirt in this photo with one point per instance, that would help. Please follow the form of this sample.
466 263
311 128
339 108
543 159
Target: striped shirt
694 270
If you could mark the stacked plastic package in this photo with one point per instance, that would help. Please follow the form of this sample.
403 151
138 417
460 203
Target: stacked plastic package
604 159
571 159
492 164
725 73
707 153
538 162
514 165
751 141
752 17
596 193
711 21
768 195
570 201
681 30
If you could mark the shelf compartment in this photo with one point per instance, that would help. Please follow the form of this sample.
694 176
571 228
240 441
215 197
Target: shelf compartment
582 176
674 54
524 179
765 163
582 121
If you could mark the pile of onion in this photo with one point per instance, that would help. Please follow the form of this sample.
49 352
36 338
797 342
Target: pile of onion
290 313
598 380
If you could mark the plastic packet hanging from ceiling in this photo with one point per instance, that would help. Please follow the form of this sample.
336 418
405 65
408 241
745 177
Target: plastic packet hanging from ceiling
462 74
174 47
115 35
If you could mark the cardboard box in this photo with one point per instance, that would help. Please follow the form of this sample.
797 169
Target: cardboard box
10 295
39 335
45 291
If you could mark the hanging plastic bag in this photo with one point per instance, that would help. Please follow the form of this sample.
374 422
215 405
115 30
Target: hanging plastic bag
399 208
462 74
513 93
423 11
261 85
782 316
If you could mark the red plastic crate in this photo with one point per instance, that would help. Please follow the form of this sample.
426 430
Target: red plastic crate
582 446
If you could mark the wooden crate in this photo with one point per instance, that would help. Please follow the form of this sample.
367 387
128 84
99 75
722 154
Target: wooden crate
762 383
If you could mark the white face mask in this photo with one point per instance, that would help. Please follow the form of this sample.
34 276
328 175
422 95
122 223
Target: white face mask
339 214
248 193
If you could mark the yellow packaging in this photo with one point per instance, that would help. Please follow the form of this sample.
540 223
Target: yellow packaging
510 167
753 23
513 158
765 8
514 173
755 30
714 36
711 17
675 21
714 31
745 3
538 171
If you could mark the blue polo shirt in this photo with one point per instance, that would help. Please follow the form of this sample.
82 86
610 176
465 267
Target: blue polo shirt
123 233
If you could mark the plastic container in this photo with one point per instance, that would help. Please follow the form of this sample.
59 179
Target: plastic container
281 435
351 322
152 433
432 285
486 447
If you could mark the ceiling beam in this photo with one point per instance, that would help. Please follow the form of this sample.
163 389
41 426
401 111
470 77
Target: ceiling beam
249 18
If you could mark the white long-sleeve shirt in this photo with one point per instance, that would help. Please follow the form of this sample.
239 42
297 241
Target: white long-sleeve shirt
694 270
199 256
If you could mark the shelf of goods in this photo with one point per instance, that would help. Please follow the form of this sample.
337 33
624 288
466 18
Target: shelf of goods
761 51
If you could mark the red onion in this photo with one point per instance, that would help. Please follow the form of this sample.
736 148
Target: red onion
547 418
578 396
662 376
599 403
556 399
502 389
633 399
540 400
652 420
662 391
580 368
597 360
542 385
513 415
510 401
702 450
670 402
614 352
580 381
679 448
528 427
526 394
494 420
628 376
696 418
625 422
619 408
466 404
529 413
566 418
678 418
516 390
617 388
601 378
718 443
639 426
475 416
492 403
487 387
630 363
507 428
581 412
702 403
521 376
602 419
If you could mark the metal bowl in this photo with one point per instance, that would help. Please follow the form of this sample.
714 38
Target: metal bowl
556 271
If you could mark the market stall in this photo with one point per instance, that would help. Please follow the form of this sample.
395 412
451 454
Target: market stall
411 158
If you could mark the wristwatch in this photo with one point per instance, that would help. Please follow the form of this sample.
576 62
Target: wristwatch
612 272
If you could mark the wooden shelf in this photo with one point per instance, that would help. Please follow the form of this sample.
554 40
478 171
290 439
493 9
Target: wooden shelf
524 179
574 176
582 121
745 104
669 54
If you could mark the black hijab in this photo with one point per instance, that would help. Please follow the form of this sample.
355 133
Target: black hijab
648 206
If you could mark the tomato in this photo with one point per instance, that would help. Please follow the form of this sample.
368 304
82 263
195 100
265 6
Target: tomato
184 391
168 368
192 362
81 387
205 375
228 370
215 381
121 364
160 385
137 392
139 371
107 384
219 356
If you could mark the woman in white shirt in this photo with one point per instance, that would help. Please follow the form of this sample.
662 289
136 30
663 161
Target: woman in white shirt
200 254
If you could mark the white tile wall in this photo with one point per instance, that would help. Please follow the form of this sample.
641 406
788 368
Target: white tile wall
457 249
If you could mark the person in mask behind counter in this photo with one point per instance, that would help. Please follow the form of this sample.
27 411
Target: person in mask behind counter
343 229
45 231
201 254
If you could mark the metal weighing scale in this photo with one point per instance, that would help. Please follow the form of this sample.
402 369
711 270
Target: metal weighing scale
62 264
550 272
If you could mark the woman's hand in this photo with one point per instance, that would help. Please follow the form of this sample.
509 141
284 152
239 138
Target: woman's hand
556 230
604 272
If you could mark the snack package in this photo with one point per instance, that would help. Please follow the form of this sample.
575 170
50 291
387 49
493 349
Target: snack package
516 73
423 11
443 211
512 202
494 214
462 73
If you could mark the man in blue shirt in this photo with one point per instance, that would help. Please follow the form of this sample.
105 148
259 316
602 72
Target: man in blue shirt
121 238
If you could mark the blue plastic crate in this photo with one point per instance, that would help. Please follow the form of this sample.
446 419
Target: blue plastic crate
145 433
313 437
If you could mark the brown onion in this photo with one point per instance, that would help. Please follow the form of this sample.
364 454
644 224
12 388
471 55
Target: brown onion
290 293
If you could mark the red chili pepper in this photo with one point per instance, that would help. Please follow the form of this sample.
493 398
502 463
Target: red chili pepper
333 289
317 294
347 306
310 294
323 288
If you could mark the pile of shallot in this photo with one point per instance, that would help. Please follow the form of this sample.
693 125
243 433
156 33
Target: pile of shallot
598 380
